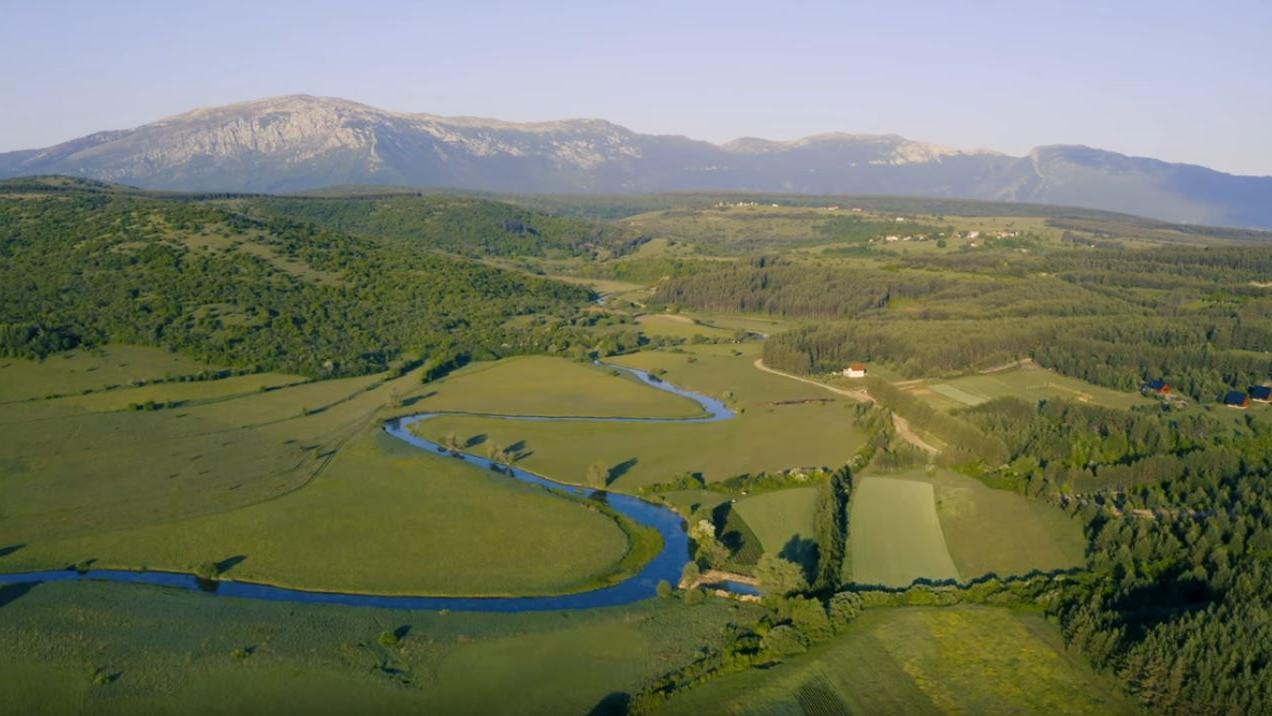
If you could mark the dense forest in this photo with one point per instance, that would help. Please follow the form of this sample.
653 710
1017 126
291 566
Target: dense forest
472 227
91 267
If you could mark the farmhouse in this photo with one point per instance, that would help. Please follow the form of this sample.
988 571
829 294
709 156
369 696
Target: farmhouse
1261 394
1237 399
856 370
1158 387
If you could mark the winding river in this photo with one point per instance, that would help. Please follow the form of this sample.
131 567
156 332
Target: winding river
667 565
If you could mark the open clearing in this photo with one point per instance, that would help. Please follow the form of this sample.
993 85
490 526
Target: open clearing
677 326
171 650
296 486
762 437
538 385
1027 382
895 535
921 660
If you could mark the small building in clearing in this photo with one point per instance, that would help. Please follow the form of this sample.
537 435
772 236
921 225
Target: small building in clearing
856 370
1237 399
1159 387
1261 394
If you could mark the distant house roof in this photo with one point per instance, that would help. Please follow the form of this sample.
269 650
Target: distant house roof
857 366
1261 392
1160 386
1236 398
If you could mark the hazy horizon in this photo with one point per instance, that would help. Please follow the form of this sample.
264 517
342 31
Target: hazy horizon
1165 80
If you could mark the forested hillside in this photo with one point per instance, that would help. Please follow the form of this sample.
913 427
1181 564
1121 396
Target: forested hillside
87 265
1199 318
472 227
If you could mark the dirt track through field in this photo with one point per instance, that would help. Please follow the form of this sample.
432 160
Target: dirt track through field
901 424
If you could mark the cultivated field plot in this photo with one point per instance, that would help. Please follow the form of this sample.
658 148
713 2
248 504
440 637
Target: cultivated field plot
1027 382
538 385
177 652
895 534
781 520
973 660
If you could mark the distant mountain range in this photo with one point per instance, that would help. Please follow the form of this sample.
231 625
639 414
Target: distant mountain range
301 142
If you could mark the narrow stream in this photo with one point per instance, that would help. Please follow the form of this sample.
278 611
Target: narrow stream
667 565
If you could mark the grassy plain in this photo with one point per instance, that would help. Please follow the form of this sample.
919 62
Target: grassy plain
677 326
982 530
763 437
538 385
173 652
300 483
895 534
1028 382
921 660
78 370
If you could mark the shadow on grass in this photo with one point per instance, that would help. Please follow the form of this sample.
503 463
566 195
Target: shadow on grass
614 704
11 593
6 551
620 469
229 563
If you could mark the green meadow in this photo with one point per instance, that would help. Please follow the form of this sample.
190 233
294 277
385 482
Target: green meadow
298 486
538 385
764 436
167 652
780 518
1028 382
921 660
89 369
678 326
943 525
895 534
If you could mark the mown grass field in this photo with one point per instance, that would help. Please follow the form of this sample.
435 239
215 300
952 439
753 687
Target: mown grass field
538 385
921 660
781 520
173 652
763 437
302 484
1029 382
895 534
982 530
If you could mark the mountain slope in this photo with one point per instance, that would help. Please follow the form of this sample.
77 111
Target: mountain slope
301 142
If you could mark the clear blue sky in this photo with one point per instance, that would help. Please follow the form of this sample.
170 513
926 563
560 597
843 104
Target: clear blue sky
1181 81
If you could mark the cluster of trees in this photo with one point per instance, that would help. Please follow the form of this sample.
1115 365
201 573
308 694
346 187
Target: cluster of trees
92 267
1178 513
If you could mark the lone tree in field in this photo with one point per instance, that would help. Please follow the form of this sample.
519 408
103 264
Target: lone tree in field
709 551
780 576
451 442
598 474
498 454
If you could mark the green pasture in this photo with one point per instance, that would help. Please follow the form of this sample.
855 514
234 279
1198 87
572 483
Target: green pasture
295 486
980 530
921 660
1029 382
894 534
765 436
165 652
84 369
677 326
538 385
781 520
